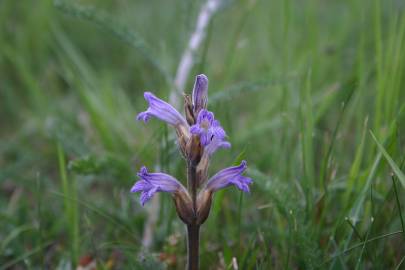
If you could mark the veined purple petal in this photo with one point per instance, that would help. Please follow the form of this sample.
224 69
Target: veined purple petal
150 183
200 93
161 110
214 145
140 186
195 129
207 127
205 115
230 176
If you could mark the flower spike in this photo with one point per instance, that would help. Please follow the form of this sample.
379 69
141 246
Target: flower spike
199 136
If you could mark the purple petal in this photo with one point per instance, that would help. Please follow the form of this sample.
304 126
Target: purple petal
230 176
218 132
143 116
242 183
145 197
139 186
209 116
205 138
195 129
215 123
200 93
214 145
205 115
161 110
142 171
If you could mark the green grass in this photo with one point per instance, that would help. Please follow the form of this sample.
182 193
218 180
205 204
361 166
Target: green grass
311 94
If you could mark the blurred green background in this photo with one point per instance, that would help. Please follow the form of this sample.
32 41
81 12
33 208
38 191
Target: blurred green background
300 87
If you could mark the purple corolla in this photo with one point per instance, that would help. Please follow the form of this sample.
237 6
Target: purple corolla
230 176
150 183
207 127
161 110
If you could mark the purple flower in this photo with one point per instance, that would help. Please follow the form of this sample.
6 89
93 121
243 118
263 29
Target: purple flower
214 145
150 183
161 110
230 176
207 127
200 93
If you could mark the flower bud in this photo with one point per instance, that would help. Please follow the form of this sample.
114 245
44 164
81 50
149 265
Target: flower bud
200 93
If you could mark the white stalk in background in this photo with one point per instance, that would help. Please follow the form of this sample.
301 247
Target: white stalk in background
187 59
153 213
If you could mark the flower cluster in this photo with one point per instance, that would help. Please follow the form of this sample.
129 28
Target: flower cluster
199 136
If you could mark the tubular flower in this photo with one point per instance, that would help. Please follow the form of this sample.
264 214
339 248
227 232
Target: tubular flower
150 183
230 176
200 93
161 110
207 127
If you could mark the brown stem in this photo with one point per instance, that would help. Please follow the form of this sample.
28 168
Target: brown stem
192 182
193 229
193 233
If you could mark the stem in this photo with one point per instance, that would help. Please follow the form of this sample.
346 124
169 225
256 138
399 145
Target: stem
193 233
192 183
193 229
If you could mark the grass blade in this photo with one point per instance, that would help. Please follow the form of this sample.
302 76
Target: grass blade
391 162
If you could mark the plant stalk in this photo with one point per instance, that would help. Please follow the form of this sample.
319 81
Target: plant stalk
192 182
193 229
193 242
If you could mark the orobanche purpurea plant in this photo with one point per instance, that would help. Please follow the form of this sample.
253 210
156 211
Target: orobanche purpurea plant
199 135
